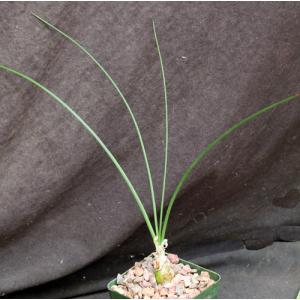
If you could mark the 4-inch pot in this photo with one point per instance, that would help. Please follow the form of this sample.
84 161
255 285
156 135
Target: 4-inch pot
210 293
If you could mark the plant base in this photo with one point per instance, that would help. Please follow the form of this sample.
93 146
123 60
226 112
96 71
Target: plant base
210 292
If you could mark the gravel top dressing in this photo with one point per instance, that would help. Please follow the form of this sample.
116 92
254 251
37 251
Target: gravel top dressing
139 282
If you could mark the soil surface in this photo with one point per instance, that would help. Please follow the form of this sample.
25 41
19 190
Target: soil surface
139 281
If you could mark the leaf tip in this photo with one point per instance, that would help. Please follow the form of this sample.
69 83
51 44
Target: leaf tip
33 14
153 24
36 16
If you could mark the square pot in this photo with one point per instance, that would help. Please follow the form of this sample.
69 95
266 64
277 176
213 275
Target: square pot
210 293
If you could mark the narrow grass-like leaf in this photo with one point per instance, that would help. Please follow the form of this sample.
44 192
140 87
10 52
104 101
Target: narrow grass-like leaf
208 148
94 135
298 297
103 70
166 135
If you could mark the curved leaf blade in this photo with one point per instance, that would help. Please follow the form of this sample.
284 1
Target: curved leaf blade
94 135
210 146
166 134
116 87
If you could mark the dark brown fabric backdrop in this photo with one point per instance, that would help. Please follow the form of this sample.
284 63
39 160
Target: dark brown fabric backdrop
63 204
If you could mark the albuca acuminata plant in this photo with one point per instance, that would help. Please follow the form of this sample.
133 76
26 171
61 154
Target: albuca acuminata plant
161 216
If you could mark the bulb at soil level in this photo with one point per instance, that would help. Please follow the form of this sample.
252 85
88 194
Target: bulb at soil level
165 274
162 267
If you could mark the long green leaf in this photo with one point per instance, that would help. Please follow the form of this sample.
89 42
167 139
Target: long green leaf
166 134
103 70
298 297
94 135
208 148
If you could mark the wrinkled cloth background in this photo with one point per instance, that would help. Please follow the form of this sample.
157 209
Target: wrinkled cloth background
67 221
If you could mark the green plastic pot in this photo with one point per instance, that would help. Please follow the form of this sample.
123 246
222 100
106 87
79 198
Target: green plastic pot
210 293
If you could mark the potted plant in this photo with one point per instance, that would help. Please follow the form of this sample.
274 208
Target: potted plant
161 274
